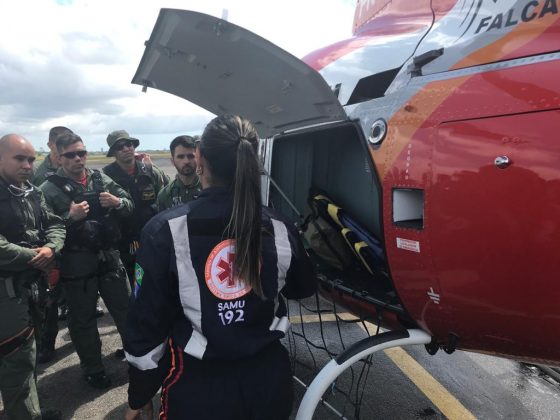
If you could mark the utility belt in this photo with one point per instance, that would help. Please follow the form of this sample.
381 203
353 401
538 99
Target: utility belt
83 264
30 282
9 282
11 344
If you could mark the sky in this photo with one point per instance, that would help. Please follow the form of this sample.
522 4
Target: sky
70 62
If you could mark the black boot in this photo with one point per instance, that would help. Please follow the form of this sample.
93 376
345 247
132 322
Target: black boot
98 380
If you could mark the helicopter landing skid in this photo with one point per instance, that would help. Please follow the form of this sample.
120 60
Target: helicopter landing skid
359 350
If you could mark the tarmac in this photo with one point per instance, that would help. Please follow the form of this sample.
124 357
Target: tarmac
395 384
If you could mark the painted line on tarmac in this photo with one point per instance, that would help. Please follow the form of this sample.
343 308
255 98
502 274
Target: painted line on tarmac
429 386
449 406
308 319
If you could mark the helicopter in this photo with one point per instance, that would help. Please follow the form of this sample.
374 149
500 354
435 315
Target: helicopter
434 129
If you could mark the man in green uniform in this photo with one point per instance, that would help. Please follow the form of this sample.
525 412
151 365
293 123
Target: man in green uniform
143 181
30 236
48 167
186 184
87 200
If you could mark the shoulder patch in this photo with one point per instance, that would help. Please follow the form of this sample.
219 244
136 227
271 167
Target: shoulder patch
218 273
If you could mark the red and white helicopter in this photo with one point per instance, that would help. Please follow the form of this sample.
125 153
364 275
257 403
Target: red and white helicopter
436 128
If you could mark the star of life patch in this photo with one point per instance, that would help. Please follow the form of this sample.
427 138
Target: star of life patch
218 272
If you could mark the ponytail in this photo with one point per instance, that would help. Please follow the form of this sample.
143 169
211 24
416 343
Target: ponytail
229 144
245 222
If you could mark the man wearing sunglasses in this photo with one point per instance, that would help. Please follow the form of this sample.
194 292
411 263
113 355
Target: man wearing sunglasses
46 343
143 181
88 200
30 236
186 184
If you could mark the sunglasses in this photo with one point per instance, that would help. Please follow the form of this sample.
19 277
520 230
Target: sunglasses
72 155
122 145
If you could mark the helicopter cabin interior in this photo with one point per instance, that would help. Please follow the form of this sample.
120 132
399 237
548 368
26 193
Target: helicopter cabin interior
333 161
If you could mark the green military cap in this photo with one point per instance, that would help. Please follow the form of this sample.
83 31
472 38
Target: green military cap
115 136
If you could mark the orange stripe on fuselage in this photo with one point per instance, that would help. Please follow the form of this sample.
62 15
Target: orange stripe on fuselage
522 34
409 119
405 122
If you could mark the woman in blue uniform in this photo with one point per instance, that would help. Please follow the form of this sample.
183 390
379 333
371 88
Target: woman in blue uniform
208 313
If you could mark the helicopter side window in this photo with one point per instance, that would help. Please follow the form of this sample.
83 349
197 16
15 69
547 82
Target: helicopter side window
408 208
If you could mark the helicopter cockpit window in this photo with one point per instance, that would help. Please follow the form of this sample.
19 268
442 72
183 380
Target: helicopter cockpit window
373 86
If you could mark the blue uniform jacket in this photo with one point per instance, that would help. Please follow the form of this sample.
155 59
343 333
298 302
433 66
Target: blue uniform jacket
185 290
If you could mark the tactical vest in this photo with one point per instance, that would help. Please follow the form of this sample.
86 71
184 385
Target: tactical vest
99 230
12 217
141 187
175 193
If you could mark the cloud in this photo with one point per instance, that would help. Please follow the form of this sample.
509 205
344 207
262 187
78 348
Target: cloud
70 62
84 48
41 87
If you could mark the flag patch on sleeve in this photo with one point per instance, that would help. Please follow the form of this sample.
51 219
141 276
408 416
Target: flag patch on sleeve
138 276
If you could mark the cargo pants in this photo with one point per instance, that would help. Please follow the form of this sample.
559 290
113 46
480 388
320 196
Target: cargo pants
17 369
111 281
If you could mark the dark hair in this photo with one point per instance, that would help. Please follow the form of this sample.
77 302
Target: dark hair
229 146
185 141
66 140
56 132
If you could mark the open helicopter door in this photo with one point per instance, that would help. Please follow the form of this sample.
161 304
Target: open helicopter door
226 69
311 142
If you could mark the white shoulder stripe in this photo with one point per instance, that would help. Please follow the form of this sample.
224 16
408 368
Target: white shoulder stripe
189 290
284 255
149 360
283 251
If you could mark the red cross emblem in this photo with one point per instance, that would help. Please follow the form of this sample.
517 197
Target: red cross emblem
218 272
